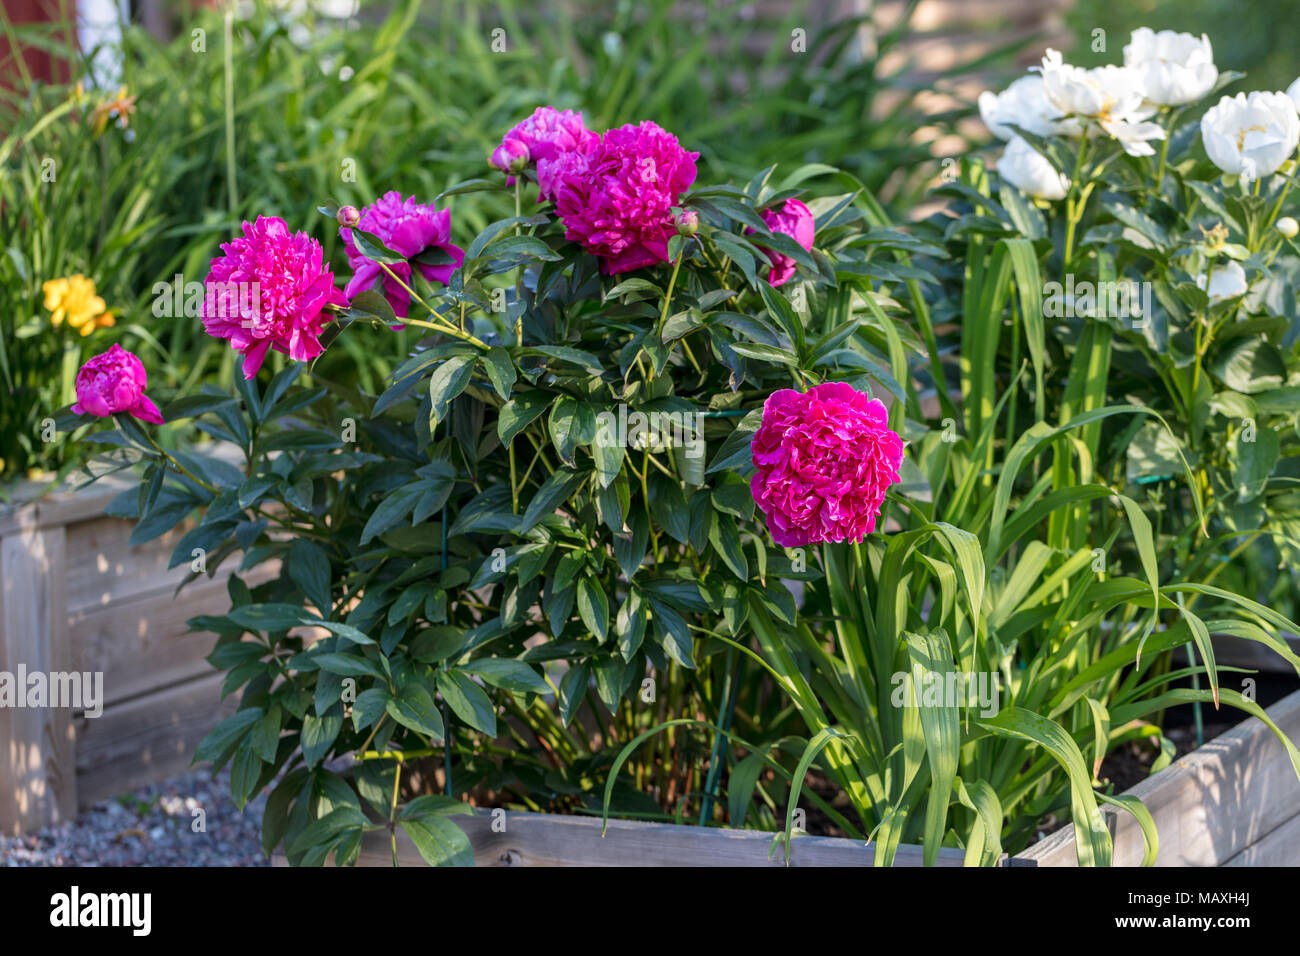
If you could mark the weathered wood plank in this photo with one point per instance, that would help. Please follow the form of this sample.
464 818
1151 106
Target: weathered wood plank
37 781
146 739
103 567
143 644
70 505
1279 848
1209 805
544 839
63 507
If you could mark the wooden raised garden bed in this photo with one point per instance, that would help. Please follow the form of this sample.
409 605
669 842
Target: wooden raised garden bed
1233 802
548 839
75 596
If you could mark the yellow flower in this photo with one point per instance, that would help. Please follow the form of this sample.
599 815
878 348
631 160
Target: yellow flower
74 299
120 107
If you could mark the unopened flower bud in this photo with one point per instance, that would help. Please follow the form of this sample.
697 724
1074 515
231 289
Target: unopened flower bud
510 157
1288 227
687 222
349 216
1215 238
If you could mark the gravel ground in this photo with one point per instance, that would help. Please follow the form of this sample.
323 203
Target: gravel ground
151 827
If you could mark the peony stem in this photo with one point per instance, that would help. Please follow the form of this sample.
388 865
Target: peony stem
691 356
446 328
374 730
182 469
519 321
449 330
1272 218
514 481
1164 156
1074 205
398 755
645 494
668 296
1202 323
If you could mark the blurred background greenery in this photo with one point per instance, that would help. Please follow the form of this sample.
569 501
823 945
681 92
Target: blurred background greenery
318 108
1249 36
313 109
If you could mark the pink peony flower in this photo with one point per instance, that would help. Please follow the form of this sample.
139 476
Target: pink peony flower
824 459
269 289
796 221
552 172
543 138
618 201
112 382
408 228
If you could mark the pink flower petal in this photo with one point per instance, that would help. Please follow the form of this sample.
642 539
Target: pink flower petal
824 460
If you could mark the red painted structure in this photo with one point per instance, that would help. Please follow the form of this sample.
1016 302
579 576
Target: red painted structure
40 64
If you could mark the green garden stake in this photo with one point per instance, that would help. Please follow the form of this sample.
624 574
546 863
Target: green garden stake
446 720
446 748
1197 720
720 739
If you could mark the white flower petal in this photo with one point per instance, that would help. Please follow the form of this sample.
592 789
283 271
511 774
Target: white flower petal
1251 135
1227 281
1025 104
1029 171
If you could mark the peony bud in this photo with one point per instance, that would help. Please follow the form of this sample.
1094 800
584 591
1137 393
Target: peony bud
349 216
1215 239
511 156
1288 227
687 222
114 382
795 220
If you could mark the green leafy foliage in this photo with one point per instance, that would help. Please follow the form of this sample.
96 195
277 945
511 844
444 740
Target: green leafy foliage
134 209
506 534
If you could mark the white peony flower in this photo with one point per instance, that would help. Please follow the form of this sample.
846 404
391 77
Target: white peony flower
1135 138
1293 91
1111 95
1023 103
1226 282
1175 68
1251 136
1028 170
